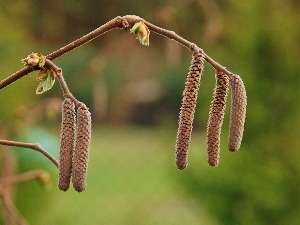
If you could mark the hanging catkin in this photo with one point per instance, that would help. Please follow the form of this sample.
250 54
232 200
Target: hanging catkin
82 147
67 141
187 109
216 116
237 113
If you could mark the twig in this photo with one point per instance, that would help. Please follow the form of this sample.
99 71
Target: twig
8 169
23 177
62 82
191 46
114 23
16 76
36 147
118 22
10 208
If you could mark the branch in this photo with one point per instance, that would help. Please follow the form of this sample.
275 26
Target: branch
8 168
16 76
10 208
23 177
36 147
62 82
114 23
118 22
191 46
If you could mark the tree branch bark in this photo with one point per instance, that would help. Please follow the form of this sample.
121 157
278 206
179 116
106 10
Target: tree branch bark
119 22
36 147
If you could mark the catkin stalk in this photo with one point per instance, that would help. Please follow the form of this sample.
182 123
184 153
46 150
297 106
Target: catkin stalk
237 113
187 109
67 143
216 116
82 147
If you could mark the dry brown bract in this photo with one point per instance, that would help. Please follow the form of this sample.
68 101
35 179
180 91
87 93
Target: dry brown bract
238 112
187 110
216 116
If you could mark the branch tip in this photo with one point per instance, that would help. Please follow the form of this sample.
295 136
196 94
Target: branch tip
36 147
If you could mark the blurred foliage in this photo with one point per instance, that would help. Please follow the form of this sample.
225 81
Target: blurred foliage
260 40
130 181
14 45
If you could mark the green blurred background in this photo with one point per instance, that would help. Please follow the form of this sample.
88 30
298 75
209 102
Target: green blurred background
134 94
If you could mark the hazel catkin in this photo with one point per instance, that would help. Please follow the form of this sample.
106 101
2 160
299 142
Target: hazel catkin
67 142
82 147
237 113
216 116
187 109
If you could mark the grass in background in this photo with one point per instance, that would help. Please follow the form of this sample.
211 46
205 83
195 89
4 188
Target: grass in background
132 179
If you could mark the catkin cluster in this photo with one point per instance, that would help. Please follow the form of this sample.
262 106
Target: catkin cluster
187 109
74 146
237 113
216 113
216 116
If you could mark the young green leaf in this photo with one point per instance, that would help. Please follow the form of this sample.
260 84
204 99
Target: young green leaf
47 80
141 32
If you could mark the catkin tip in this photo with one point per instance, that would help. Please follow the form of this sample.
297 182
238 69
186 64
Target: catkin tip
181 161
186 116
82 147
214 162
216 116
237 113
67 142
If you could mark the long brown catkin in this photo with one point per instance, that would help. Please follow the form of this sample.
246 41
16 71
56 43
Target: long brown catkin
67 143
237 113
82 147
187 109
216 116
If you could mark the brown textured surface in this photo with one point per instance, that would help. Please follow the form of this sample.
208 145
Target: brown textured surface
67 141
237 113
81 154
187 109
216 116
